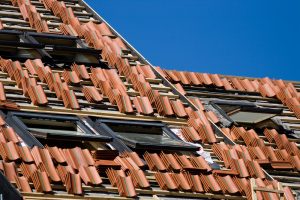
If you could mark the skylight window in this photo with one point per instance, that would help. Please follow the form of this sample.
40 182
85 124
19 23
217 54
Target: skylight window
41 129
246 113
250 117
146 135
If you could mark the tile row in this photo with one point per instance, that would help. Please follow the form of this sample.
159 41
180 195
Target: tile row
284 91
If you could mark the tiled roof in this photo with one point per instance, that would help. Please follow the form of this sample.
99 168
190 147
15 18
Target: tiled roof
76 71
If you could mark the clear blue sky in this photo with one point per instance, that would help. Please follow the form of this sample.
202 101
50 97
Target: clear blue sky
255 38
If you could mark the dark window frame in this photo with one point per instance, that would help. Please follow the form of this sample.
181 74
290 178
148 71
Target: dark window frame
103 123
243 106
30 139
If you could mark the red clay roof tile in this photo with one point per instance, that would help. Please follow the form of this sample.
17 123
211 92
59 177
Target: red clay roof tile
10 171
2 92
170 161
178 108
165 181
10 134
89 175
190 134
139 179
126 187
25 154
154 162
70 77
8 151
57 154
73 183
41 182
194 182
22 184
49 166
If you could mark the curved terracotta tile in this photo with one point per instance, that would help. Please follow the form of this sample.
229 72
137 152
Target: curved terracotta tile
73 184
165 181
42 72
67 29
69 99
240 166
22 184
227 184
10 171
204 78
125 187
88 157
181 181
211 115
154 162
41 182
193 78
270 134
255 169
113 175
178 108
184 161
2 92
197 103
28 169
266 90
170 161
37 95
288 194
139 179
195 182
143 105
89 175
146 71
25 154
237 83
190 134
63 170
182 77
171 76
200 163
70 77
227 84
124 103
57 154
210 184
104 29
77 157
36 155
216 80
295 161
180 88
135 157
92 94
257 153
50 168
247 85
32 65
127 163
10 134
52 79
9 151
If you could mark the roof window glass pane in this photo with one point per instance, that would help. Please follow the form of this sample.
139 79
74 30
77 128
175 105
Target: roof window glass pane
250 117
